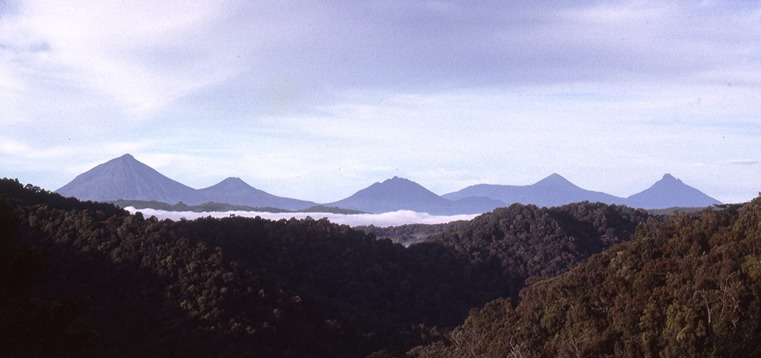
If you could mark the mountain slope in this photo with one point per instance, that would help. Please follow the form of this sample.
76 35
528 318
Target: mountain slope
127 178
553 190
670 192
237 192
689 287
396 194
476 205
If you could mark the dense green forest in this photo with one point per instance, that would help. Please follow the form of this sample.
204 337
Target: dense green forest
83 278
531 243
410 233
689 287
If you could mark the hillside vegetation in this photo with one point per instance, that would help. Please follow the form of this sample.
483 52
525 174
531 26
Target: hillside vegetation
529 242
690 287
85 278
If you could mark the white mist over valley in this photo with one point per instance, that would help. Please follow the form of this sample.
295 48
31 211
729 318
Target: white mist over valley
396 218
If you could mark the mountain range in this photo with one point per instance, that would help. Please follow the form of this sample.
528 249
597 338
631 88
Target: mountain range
403 194
126 178
553 190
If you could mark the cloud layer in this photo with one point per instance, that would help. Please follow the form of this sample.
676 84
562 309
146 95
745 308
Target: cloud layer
397 218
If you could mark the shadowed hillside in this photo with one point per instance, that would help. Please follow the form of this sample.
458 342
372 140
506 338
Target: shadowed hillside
129 285
690 287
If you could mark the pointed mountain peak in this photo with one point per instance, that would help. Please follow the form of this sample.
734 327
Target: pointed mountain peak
554 179
670 192
396 179
127 178
128 161
230 183
668 177
126 158
669 180
233 180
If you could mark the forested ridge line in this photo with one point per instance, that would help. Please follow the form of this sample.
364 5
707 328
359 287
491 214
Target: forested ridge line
129 285
691 286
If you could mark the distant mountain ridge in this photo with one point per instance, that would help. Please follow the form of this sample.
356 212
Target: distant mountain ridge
392 195
555 190
125 178
235 191
402 194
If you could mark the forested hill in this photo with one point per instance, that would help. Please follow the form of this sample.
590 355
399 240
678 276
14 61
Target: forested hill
689 288
528 241
82 278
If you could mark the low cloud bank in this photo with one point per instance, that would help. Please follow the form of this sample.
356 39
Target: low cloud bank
396 218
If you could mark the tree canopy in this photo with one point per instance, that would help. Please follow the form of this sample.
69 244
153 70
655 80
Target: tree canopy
689 287
88 278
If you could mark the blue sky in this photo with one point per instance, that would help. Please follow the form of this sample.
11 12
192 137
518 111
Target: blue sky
318 100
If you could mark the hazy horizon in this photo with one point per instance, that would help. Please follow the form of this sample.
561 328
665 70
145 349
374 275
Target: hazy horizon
316 101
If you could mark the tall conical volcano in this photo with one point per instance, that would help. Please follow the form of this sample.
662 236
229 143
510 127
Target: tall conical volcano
236 191
670 192
125 178
555 180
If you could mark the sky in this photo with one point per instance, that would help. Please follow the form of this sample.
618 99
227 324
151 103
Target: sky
316 100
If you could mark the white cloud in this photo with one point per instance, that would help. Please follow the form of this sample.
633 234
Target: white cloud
396 218
143 55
